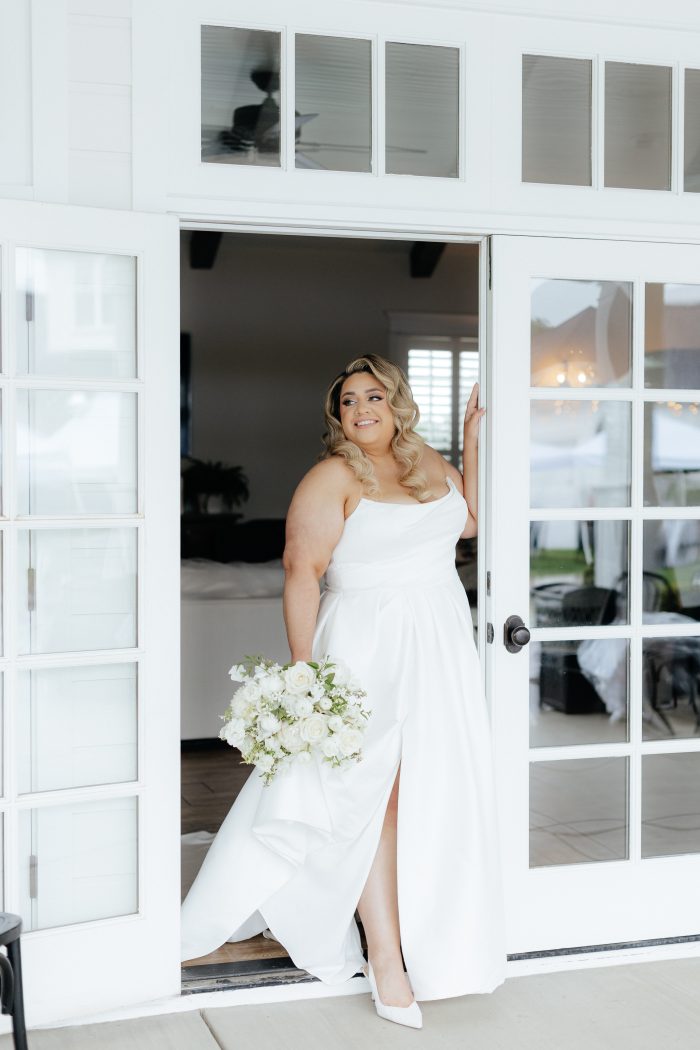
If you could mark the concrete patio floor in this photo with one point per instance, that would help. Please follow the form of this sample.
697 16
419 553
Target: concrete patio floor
640 1005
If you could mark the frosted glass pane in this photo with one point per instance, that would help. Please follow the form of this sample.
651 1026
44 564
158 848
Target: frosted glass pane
422 110
76 314
76 589
581 333
557 120
76 726
580 453
672 336
78 862
637 126
76 452
240 96
692 131
333 103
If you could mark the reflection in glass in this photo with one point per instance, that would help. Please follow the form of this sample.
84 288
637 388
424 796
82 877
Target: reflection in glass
692 131
76 726
578 811
578 691
76 589
78 862
576 568
557 120
671 454
581 333
672 336
580 453
76 452
671 558
240 96
637 126
670 804
76 314
422 110
333 103
671 682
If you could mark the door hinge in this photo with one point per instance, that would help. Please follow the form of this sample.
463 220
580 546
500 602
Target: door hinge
488 581
31 590
489 632
29 307
33 877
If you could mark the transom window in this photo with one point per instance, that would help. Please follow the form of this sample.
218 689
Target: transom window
637 138
322 114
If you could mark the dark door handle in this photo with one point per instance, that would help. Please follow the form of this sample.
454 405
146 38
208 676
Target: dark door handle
515 634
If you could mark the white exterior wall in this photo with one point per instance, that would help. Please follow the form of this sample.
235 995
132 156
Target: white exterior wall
99 105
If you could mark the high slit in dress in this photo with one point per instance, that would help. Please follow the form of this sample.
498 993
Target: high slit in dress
293 856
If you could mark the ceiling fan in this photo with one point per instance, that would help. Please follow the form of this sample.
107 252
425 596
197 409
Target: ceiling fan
256 127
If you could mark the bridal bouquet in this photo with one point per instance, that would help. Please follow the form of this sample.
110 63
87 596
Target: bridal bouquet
283 713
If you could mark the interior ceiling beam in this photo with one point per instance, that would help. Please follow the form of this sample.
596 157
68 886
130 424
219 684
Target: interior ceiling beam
425 256
204 244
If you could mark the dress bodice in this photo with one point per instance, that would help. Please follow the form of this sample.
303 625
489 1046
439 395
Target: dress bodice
398 544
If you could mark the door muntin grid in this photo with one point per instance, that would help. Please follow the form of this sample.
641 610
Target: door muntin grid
589 627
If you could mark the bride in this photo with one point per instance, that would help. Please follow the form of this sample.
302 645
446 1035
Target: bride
408 837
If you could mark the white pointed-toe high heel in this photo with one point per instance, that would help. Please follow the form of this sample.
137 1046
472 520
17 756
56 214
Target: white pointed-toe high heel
410 1015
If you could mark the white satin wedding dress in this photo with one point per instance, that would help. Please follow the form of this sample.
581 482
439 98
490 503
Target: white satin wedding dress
294 855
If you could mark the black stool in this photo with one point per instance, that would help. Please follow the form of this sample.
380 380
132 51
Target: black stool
11 997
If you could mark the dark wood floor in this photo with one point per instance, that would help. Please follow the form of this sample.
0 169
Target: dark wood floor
211 780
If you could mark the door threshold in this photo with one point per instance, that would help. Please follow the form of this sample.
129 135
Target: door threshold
255 973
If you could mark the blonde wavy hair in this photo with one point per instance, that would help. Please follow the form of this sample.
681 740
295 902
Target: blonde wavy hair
406 445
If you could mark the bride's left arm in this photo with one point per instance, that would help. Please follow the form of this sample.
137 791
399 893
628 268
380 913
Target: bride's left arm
469 479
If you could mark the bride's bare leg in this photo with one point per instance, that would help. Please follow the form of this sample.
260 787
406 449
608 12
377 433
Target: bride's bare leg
379 911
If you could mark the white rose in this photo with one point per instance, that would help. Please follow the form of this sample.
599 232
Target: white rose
317 691
265 762
237 673
350 741
314 728
304 706
269 724
330 746
336 723
325 703
250 691
304 757
273 683
234 731
290 736
342 674
289 703
299 677
239 706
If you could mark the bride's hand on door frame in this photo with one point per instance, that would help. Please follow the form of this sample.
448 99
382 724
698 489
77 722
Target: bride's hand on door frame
472 416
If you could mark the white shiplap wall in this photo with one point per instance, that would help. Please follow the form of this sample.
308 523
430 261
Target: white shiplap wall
99 102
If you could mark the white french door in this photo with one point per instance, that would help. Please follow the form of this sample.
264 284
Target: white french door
594 541
90 555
